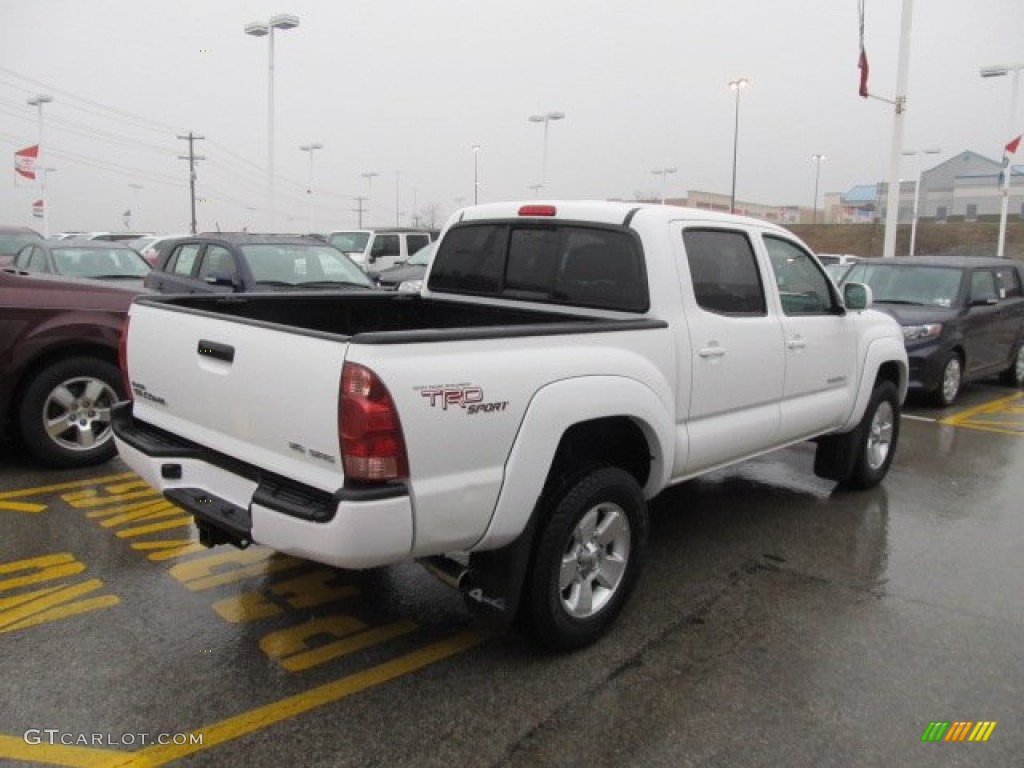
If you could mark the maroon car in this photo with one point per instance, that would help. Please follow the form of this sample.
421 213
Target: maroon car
58 365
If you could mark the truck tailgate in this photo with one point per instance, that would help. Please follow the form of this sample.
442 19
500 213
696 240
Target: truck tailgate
259 394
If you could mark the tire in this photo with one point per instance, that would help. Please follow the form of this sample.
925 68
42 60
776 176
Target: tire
1014 375
877 436
588 555
950 382
64 413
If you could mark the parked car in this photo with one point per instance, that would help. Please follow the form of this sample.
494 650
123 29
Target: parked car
149 246
83 258
114 237
406 277
59 374
837 264
962 317
380 248
13 239
240 262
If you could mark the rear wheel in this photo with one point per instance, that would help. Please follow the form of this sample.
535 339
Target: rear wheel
1014 375
588 555
64 414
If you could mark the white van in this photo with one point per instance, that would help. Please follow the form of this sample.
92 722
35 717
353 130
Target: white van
380 248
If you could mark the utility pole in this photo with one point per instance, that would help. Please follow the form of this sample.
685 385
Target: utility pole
359 209
192 157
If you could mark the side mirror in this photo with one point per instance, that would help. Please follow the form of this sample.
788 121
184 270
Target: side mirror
857 296
984 300
216 277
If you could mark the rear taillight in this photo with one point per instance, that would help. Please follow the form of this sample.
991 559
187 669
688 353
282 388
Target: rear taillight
122 358
372 445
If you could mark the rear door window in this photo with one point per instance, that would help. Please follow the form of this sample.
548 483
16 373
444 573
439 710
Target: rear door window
414 242
184 260
385 246
723 269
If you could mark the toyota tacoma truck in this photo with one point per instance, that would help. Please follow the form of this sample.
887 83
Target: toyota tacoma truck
507 426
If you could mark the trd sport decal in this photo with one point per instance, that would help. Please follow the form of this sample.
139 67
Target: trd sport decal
470 399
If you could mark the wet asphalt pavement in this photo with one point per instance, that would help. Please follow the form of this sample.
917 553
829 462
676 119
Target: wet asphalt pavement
778 622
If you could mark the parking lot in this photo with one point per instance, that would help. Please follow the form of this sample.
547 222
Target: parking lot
777 623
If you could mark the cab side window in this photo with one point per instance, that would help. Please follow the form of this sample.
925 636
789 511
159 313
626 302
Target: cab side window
803 286
217 259
185 259
385 245
1009 283
724 272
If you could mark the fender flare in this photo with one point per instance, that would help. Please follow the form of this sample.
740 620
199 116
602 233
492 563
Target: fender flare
878 353
551 412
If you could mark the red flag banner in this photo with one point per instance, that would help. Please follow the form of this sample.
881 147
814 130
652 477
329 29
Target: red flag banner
863 66
25 161
37 209
1011 148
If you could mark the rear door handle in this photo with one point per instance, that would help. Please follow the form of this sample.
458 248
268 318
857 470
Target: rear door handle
796 343
712 351
216 350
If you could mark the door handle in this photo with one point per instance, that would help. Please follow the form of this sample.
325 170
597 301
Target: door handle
712 351
216 350
796 342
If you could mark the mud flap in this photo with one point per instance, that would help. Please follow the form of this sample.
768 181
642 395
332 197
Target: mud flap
495 581
836 455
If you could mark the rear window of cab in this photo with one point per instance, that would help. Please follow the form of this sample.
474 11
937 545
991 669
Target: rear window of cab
600 268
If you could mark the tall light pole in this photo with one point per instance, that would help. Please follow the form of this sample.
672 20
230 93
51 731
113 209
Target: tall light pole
134 204
398 186
663 172
311 148
917 192
892 211
266 29
37 101
817 176
1000 70
476 174
737 85
546 118
536 189
369 192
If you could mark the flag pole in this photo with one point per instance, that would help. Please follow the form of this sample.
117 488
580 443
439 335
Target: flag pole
892 211
1007 169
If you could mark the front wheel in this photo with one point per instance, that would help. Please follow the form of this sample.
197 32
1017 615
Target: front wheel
952 379
588 555
878 435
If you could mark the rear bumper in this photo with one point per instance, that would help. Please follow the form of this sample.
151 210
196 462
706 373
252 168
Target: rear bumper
350 528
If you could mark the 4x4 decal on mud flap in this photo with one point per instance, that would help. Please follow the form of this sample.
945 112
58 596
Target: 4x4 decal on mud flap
469 398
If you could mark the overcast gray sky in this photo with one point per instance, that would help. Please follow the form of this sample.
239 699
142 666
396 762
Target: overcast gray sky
405 88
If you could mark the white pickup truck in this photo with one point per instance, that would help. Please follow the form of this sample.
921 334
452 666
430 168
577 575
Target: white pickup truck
564 363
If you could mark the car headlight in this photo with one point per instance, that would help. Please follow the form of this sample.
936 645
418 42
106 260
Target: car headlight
913 334
410 286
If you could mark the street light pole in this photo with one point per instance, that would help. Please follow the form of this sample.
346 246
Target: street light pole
817 176
398 184
917 192
281 21
476 174
37 101
737 85
1000 70
663 172
135 204
369 192
311 148
546 118
536 189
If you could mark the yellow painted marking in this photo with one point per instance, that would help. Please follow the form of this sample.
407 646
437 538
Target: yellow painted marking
244 723
46 567
248 606
199 573
91 497
21 506
300 662
127 513
46 606
15 748
983 730
313 589
991 416
178 522
169 548
40 489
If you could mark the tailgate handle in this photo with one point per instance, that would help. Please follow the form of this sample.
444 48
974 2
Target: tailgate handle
216 350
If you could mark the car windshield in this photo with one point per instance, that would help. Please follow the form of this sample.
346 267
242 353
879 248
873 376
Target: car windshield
302 264
909 283
350 241
99 262
423 256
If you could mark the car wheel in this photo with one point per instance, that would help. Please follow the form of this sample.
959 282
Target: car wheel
949 384
877 436
588 555
64 414
1014 375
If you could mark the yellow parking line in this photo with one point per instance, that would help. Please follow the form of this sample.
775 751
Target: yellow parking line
247 722
993 406
63 486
